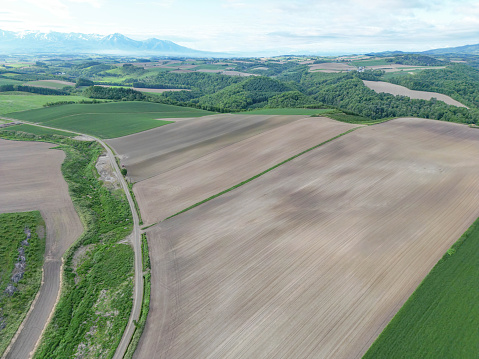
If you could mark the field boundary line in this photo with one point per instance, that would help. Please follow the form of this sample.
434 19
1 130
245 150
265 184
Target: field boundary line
226 146
254 177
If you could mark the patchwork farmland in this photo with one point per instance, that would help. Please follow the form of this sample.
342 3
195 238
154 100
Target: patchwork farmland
28 186
294 264
266 230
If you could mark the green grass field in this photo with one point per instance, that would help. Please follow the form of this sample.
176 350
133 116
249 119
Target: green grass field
22 101
150 72
6 81
47 84
14 308
286 111
441 318
36 130
107 120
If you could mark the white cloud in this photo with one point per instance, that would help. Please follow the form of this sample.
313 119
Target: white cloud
55 7
94 3
237 25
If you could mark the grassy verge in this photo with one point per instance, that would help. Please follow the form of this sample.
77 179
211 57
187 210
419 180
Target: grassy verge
254 177
41 131
137 208
351 118
286 111
145 307
441 318
96 298
22 101
14 308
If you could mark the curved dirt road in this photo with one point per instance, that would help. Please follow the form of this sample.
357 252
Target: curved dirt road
39 322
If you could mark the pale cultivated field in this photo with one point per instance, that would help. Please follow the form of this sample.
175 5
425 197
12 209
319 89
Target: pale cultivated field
31 180
313 259
237 73
210 71
399 67
156 151
332 67
181 71
141 89
168 193
380 86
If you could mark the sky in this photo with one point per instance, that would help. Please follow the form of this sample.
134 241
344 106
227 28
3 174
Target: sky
260 26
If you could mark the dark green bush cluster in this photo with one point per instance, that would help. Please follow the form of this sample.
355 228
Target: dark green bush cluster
114 93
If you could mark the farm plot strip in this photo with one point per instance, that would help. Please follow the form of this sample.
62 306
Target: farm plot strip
26 186
107 120
313 259
393 89
219 172
160 150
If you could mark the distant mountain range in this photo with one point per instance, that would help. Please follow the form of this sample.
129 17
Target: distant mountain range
464 50
459 50
34 42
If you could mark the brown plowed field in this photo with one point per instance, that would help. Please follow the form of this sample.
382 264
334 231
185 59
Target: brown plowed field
31 180
400 67
168 193
393 89
314 258
332 67
157 151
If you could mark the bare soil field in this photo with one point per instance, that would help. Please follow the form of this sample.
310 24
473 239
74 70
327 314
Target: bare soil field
237 73
156 151
331 67
380 86
180 71
314 258
400 67
32 180
166 194
210 71
141 89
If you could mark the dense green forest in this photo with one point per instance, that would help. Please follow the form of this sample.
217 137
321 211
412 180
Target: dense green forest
32 89
251 93
113 93
459 81
349 93
416 60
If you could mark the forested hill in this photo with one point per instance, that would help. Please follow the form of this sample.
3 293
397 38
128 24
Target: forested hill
416 60
344 91
251 93
459 81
